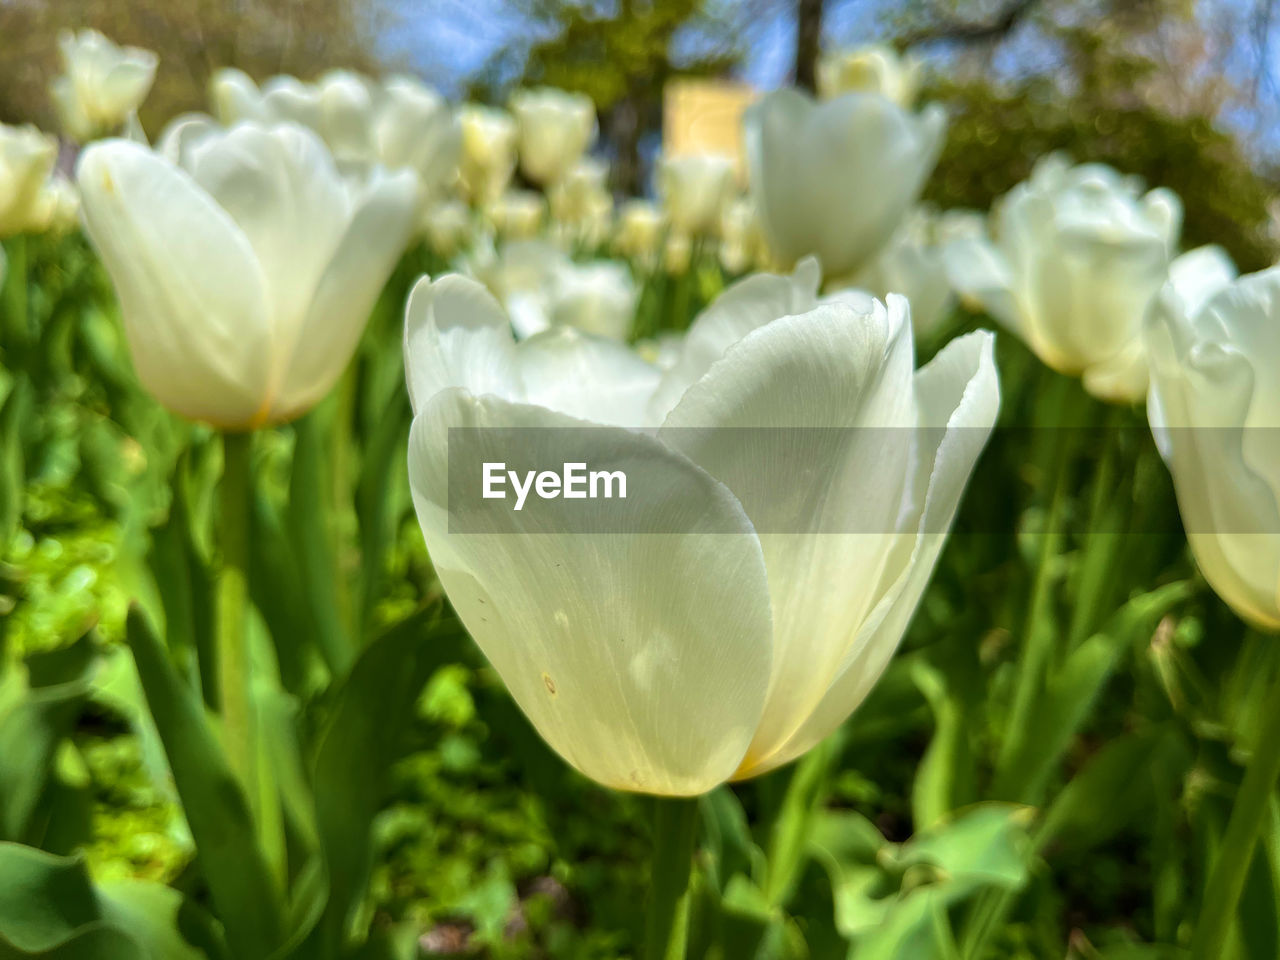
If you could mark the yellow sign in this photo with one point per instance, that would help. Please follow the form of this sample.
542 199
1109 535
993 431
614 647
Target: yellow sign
705 116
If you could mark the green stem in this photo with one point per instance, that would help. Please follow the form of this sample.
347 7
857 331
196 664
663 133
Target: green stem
1102 539
1226 880
235 704
675 834
15 321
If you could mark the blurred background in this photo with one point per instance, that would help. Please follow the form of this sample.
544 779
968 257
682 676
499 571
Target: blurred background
1185 93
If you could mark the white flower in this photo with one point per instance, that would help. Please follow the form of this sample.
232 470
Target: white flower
1215 410
742 244
26 160
517 214
488 152
1077 256
246 274
399 122
914 264
639 230
448 227
835 179
102 84
695 189
872 69
757 588
556 129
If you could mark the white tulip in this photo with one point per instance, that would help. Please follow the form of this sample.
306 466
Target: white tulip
488 152
835 179
58 206
1215 410
26 160
742 244
597 297
399 122
737 621
872 69
245 274
517 214
448 227
556 129
102 84
695 190
639 230
1078 254
914 264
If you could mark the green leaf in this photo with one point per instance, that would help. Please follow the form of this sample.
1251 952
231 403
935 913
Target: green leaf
49 908
13 479
231 861
985 844
357 747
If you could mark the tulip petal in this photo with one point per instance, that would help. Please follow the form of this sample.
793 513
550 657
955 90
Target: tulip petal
958 393
750 303
347 290
814 419
592 378
456 335
641 659
191 290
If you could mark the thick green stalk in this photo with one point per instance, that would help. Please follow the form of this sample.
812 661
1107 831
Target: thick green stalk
1231 867
675 835
235 702
1102 539
14 319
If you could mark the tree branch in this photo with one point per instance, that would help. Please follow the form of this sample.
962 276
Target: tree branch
962 31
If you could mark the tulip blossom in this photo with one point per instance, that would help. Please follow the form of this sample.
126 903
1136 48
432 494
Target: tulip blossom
639 230
517 214
1078 254
399 122
556 129
102 84
871 69
1215 411
768 569
914 263
447 226
26 160
834 179
742 244
695 190
488 152
246 269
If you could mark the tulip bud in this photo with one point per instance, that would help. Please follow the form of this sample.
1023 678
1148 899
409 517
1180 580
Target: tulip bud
247 269
834 179
1214 348
517 214
872 69
695 190
448 227
639 230
556 129
26 159
101 85
488 152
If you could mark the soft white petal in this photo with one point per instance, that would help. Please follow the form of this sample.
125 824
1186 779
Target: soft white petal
642 659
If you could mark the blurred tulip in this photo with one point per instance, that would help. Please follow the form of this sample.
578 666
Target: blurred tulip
695 190
742 244
639 231
399 122
517 214
488 152
246 274
1078 254
677 252
597 297
914 264
872 69
581 204
556 129
101 86
835 179
448 227
709 645
59 205
1215 411
26 160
